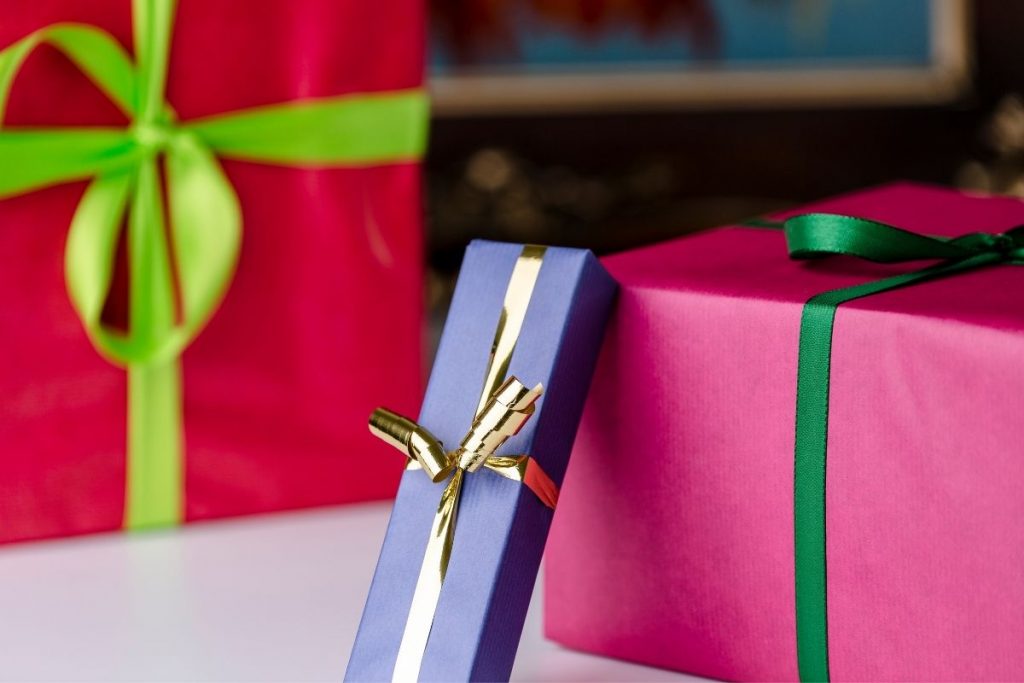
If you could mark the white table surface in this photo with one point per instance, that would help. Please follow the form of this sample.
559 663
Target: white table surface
269 598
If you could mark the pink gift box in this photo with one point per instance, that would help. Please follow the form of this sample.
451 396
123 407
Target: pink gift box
324 305
673 544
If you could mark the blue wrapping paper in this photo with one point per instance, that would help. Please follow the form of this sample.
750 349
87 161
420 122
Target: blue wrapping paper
502 526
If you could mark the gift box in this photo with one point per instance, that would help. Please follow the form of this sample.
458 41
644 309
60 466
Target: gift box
718 520
207 257
464 543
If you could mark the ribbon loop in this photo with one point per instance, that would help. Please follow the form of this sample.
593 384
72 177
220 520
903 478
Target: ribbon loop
95 52
817 235
419 444
506 412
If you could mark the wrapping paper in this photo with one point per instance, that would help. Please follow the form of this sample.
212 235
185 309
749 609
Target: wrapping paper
502 526
326 299
684 559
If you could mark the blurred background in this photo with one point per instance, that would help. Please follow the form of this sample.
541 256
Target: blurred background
615 123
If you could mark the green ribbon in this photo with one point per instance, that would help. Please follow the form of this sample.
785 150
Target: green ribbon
177 277
813 236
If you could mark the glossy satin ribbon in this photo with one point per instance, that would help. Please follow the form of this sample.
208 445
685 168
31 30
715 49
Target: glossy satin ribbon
177 277
505 406
813 236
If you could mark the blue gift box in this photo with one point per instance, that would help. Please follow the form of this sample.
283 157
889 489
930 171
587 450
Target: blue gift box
501 524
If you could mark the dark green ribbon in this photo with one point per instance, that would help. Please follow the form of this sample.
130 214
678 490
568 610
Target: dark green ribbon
814 236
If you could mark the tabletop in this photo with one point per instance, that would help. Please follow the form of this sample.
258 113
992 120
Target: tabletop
267 598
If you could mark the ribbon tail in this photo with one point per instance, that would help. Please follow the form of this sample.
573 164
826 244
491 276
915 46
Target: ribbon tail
814 366
37 158
428 585
151 28
155 410
527 471
352 130
153 497
812 396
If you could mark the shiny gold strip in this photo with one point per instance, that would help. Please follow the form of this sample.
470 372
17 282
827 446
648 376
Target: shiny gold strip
442 533
525 470
513 312
428 585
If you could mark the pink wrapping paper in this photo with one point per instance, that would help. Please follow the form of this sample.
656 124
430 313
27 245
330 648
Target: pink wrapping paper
673 544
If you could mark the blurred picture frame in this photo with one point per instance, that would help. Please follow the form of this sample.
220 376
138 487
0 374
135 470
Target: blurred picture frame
732 54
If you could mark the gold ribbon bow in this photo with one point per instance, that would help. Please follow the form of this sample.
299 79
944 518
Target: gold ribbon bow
500 415
504 415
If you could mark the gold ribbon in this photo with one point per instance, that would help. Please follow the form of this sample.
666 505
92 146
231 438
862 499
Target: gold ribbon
505 406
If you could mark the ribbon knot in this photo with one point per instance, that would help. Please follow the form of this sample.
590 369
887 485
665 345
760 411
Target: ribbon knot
1009 244
504 414
155 137
1002 243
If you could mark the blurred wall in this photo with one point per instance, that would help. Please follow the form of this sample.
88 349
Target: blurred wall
612 181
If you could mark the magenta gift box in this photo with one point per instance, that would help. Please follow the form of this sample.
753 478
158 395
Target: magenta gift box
673 544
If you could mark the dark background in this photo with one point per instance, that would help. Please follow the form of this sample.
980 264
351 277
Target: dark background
617 180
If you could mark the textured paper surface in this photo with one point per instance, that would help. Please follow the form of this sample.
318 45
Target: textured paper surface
674 539
326 301
502 526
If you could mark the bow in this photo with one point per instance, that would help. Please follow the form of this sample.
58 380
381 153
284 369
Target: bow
813 236
177 276
503 415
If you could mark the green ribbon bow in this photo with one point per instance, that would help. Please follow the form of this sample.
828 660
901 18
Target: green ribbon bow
813 236
176 278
